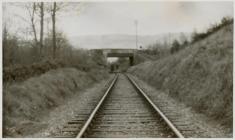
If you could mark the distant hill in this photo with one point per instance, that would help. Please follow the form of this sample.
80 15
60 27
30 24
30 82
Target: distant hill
120 41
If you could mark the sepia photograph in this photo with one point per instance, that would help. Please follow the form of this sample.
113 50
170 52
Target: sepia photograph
117 69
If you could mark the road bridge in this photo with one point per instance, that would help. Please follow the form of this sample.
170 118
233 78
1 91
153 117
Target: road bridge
119 53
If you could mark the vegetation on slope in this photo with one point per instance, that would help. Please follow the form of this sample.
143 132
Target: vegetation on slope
160 50
201 75
20 72
32 49
26 102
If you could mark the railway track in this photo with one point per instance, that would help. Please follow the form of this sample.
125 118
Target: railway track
123 111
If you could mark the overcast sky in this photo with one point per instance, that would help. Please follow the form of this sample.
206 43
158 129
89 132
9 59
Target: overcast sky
153 17
95 18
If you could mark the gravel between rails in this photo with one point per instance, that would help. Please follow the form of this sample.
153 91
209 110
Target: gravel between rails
125 114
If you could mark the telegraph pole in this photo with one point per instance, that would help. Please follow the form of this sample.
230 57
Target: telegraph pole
136 31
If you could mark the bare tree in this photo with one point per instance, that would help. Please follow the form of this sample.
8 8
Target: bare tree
4 45
41 26
32 12
31 43
53 16
33 9
56 7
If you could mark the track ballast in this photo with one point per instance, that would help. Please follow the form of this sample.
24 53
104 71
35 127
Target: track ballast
125 111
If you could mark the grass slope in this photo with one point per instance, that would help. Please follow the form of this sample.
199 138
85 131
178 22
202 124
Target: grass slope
26 102
201 75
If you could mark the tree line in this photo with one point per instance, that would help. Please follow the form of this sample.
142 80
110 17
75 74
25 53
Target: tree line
164 49
176 46
40 45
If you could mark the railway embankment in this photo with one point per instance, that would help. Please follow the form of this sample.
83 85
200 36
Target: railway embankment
26 103
200 76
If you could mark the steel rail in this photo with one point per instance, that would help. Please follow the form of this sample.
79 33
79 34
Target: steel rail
169 123
88 122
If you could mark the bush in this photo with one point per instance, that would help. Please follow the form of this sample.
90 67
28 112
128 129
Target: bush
22 72
175 47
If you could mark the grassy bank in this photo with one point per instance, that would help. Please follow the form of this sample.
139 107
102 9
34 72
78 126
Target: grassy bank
26 102
201 75
23 72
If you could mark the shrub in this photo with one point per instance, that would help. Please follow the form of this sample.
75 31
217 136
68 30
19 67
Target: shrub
175 47
22 72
